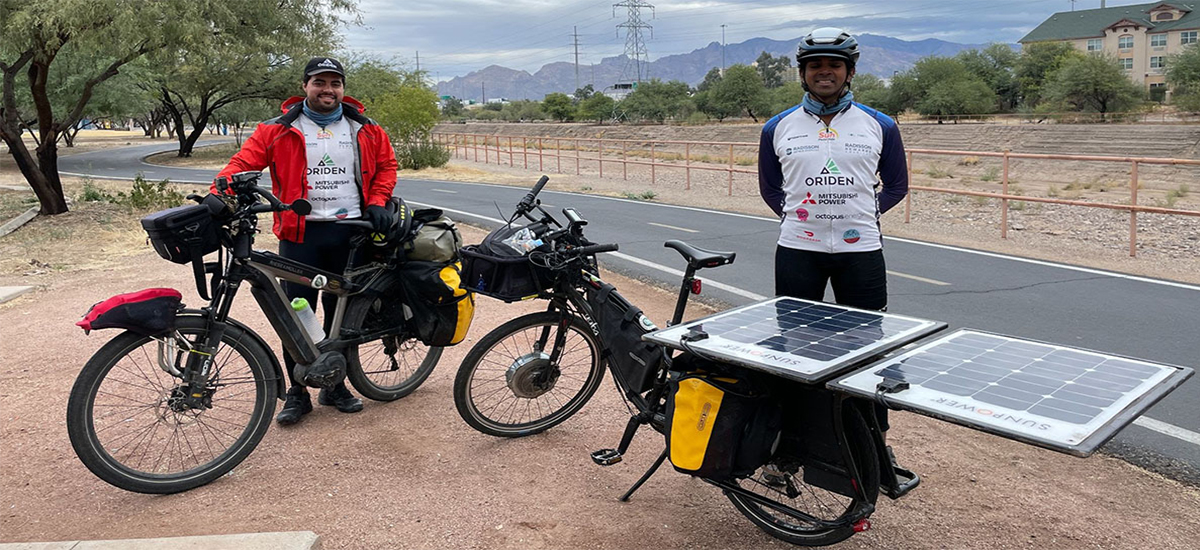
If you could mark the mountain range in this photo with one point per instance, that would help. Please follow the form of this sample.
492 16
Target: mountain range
882 56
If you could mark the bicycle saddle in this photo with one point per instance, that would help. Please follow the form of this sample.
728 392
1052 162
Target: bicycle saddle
699 257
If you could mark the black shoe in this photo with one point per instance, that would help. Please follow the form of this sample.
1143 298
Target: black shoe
341 398
296 405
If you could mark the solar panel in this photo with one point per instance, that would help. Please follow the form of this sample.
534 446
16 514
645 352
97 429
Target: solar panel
1062 398
798 339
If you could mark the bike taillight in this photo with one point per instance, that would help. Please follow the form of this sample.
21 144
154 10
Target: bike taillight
862 525
697 286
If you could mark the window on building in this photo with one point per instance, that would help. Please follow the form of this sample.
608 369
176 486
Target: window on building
1158 41
1125 42
1095 44
1164 16
1158 62
1126 63
1187 37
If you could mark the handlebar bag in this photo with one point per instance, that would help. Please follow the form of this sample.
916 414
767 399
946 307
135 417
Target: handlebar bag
147 312
441 310
621 327
436 238
493 268
719 427
182 234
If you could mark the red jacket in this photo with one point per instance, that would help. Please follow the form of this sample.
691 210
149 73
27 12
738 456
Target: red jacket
279 145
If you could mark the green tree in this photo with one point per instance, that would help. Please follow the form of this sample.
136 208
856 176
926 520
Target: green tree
452 108
870 90
1183 74
407 114
741 91
657 100
1092 83
1036 62
243 115
939 86
772 70
995 65
559 106
710 79
598 107
789 95
583 93
370 78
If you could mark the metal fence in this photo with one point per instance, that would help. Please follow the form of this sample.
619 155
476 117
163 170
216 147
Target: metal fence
542 152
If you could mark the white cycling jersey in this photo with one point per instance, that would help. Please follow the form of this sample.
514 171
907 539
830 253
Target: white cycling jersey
821 179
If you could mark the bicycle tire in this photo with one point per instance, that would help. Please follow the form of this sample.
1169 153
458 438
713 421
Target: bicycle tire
790 529
374 369
510 352
240 360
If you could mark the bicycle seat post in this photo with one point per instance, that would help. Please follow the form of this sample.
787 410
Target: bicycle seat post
685 288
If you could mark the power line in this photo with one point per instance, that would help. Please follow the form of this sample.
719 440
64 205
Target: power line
637 57
575 35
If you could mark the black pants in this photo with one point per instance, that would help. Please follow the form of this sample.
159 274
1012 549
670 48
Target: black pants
326 246
859 279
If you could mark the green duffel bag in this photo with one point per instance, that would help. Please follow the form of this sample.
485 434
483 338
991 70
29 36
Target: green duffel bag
436 239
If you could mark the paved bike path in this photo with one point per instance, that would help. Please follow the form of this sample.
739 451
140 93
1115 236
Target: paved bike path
1038 300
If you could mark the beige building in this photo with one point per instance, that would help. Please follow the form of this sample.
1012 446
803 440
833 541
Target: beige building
1140 36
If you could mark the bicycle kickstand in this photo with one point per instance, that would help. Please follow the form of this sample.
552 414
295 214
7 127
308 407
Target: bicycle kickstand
645 477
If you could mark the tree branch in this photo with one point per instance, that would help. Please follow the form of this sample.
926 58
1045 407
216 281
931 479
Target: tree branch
108 73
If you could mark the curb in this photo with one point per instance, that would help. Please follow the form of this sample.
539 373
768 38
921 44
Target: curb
9 292
18 221
290 540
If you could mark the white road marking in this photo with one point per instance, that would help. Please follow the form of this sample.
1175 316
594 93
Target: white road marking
916 278
444 191
672 227
1168 429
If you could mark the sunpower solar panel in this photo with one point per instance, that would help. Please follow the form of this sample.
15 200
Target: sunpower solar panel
798 339
1064 398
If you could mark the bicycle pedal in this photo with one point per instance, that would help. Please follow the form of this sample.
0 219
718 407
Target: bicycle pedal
606 457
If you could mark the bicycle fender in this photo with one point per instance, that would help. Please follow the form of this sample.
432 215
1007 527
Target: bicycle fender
276 367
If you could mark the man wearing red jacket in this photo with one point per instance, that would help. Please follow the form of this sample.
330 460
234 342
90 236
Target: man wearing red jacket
325 150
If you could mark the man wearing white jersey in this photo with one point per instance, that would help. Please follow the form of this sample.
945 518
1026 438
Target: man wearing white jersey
819 165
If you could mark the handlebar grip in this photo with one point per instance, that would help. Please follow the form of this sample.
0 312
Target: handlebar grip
596 249
527 202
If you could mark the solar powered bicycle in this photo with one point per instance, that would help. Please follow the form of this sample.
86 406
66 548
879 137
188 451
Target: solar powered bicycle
821 367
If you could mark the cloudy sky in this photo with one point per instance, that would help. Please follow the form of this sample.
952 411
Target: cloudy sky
455 37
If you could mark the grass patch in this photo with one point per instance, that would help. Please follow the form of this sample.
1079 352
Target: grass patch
968 161
937 172
991 174
643 196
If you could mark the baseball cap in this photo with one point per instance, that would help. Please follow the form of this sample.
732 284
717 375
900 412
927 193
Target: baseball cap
318 65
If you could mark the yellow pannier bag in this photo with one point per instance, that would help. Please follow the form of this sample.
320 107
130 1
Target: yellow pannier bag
441 310
719 427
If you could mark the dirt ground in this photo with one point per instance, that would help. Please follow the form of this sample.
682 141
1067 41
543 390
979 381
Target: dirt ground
411 474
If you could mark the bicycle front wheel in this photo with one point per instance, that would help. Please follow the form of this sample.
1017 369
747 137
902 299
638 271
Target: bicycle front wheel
129 423
509 386
388 367
783 481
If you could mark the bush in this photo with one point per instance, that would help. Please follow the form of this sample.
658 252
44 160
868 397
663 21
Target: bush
92 193
424 154
150 196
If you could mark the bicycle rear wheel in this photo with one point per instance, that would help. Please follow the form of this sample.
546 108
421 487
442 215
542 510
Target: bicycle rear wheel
128 424
507 385
390 366
783 481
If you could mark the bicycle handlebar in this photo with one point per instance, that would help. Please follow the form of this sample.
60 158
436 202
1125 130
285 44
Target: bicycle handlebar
595 249
527 203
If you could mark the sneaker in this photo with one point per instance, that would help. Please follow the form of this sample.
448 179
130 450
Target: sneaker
341 398
296 405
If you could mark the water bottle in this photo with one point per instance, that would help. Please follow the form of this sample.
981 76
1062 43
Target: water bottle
308 319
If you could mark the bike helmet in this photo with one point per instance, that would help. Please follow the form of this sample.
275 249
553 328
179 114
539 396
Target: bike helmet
827 42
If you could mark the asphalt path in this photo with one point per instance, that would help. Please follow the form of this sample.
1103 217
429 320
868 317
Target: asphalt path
1054 303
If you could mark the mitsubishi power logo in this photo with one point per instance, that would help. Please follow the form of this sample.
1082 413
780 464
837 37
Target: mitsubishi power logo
831 168
808 199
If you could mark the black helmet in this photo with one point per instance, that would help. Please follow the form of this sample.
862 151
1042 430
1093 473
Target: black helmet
401 224
828 42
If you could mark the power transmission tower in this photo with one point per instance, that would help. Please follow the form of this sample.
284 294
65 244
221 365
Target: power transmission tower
575 35
637 59
722 49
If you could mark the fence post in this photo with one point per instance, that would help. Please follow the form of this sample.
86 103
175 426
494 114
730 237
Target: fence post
510 152
651 163
558 154
576 156
540 169
1004 201
600 156
687 162
525 150
624 160
908 196
1133 189
475 146
731 169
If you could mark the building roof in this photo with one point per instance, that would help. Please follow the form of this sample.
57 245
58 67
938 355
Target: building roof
1068 25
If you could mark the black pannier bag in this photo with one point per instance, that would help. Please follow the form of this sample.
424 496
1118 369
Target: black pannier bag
147 312
720 424
495 269
621 326
183 233
441 309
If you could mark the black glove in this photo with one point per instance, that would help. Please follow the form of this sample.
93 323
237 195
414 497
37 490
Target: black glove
380 218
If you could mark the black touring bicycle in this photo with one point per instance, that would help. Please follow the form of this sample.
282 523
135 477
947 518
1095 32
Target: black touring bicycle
184 395
772 402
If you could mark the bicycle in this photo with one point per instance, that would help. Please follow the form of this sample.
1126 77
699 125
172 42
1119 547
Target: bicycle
169 412
535 371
